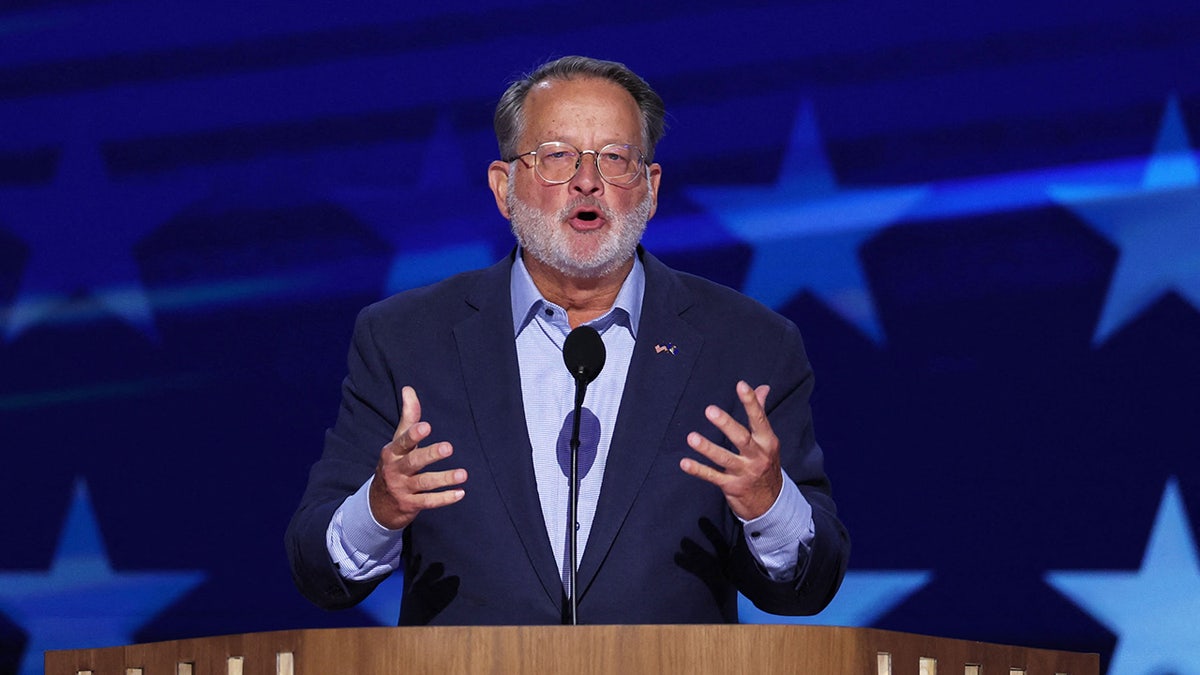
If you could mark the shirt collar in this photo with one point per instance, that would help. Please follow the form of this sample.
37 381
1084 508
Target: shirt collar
526 299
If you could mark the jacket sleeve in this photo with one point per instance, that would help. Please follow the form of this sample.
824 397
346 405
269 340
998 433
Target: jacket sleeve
366 420
822 567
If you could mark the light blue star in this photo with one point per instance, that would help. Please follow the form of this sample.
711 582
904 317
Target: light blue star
433 226
383 604
81 231
1154 223
81 602
410 270
1153 611
806 231
863 599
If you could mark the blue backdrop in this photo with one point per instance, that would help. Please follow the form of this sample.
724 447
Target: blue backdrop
984 217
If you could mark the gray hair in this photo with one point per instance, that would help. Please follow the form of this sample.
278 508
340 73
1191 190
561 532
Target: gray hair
510 111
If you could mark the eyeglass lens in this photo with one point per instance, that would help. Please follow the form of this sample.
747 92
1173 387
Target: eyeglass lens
557 162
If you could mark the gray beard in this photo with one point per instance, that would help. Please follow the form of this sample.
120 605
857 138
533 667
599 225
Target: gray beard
543 237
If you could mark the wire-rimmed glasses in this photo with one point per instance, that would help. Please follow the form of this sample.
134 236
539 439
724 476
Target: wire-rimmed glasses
557 162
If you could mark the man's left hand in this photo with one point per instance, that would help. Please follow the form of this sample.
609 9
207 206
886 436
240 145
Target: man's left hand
752 477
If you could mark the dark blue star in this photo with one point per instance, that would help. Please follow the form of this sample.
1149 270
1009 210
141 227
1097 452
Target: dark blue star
1155 223
81 231
80 602
806 231
434 225
1152 610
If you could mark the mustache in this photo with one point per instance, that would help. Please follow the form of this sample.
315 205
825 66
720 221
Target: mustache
585 202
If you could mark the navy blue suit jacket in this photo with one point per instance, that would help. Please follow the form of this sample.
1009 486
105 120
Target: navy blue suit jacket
664 546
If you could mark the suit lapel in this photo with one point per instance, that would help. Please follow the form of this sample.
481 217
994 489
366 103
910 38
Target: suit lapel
653 387
488 355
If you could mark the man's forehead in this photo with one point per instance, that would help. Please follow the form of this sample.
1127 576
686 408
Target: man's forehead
553 106
578 86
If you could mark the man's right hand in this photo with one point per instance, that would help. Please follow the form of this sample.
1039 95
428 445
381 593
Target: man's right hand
402 488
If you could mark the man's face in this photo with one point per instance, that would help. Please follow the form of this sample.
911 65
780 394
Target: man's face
584 228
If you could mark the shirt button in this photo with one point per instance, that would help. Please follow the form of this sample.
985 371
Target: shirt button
755 535
549 312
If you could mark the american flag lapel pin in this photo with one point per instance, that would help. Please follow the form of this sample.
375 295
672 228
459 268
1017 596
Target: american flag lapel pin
668 348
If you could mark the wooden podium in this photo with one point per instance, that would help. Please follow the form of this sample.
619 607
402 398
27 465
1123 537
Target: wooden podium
583 650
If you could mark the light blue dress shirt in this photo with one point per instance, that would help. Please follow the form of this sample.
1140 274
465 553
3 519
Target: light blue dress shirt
363 549
548 392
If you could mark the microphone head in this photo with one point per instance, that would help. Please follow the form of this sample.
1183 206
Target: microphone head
583 352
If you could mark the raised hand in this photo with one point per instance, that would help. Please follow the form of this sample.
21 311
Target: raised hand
402 488
752 477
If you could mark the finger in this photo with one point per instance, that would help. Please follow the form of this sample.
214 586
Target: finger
711 451
754 408
431 481
410 411
410 431
406 440
760 392
416 461
705 473
731 428
433 500
436 480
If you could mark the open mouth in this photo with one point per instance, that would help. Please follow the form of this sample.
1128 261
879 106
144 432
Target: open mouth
587 217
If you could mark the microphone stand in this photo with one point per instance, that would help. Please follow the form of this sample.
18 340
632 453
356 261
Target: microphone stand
573 515
583 354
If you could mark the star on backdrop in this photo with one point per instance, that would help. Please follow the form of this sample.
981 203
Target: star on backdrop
864 597
81 230
80 602
806 231
383 604
1153 610
419 221
1155 224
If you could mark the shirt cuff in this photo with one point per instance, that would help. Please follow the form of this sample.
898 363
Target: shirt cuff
778 537
361 548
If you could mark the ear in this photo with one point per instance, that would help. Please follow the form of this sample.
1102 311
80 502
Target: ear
654 174
498 181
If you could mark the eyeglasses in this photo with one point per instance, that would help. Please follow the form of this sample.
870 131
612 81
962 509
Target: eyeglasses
556 162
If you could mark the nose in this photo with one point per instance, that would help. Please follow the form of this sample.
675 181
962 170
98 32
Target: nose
587 178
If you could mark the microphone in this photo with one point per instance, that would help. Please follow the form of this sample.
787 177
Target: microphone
583 353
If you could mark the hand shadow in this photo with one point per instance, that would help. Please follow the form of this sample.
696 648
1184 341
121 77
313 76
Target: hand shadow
710 564
429 592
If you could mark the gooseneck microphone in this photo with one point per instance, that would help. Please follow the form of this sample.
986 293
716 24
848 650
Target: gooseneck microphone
583 352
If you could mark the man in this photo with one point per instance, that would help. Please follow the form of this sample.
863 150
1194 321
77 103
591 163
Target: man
447 459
